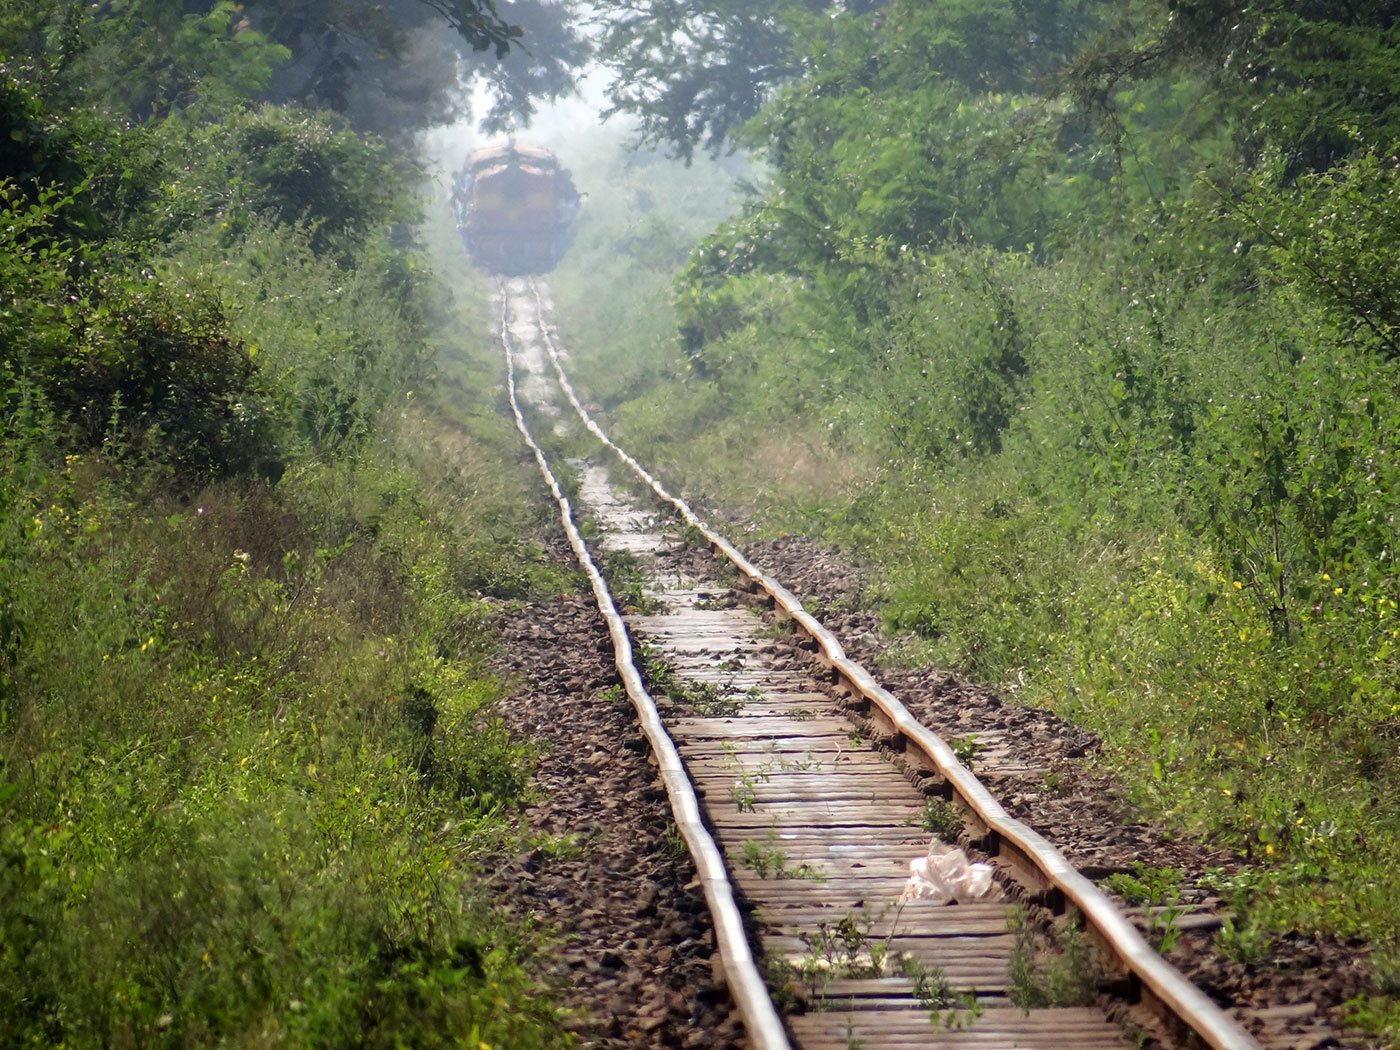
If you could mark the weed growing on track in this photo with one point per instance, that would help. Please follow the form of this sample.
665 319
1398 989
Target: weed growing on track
674 841
628 582
931 987
776 629
742 794
693 538
806 764
716 701
767 860
946 1007
837 950
848 949
783 985
1243 939
1158 892
966 749
943 818
1044 973
848 946
656 672
706 699
1244 934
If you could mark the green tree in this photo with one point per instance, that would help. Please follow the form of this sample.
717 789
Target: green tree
691 73
146 58
1310 80
1336 233
282 165
390 67
912 125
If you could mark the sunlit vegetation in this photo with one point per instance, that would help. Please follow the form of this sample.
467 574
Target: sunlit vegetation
1079 321
1095 307
249 748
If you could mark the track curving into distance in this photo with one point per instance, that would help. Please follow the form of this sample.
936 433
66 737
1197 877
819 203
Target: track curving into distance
1184 1013
761 1021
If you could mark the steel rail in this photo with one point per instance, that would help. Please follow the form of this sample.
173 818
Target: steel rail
761 1021
1186 1003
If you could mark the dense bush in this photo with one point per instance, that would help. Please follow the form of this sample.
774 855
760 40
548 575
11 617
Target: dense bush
102 171
1134 492
288 166
115 350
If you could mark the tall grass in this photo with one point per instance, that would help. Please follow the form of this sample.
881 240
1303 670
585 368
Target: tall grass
245 774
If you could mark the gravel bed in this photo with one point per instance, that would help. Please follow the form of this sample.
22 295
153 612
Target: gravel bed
634 938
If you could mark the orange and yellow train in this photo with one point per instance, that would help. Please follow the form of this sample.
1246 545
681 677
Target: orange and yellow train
515 208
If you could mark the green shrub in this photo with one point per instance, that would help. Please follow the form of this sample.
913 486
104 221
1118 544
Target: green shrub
285 166
219 824
1334 233
248 739
121 354
107 172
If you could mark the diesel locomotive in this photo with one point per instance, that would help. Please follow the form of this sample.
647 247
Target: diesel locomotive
515 208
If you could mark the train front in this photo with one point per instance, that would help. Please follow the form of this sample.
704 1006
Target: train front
516 207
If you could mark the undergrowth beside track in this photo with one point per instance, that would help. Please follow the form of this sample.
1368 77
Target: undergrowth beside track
249 546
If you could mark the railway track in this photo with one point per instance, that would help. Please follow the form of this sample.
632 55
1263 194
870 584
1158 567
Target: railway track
803 790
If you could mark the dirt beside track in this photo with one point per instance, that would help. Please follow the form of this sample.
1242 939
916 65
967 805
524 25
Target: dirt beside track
634 935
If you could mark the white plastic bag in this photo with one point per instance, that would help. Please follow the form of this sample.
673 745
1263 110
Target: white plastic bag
945 875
